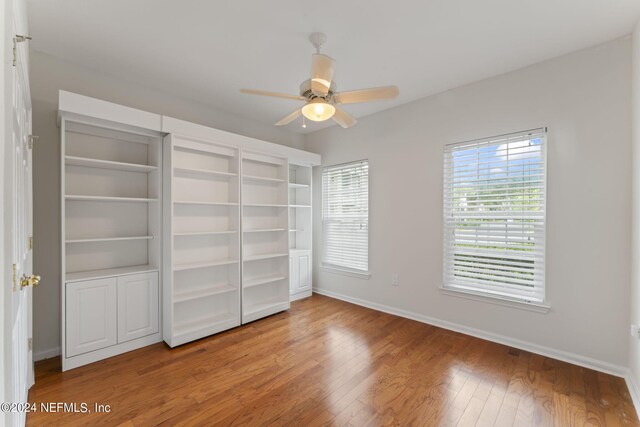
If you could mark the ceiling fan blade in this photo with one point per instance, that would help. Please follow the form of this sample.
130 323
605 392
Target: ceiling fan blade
366 95
321 73
291 117
274 94
343 118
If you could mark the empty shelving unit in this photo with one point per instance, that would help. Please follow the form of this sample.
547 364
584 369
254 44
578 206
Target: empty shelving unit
300 232
265 235
111 248
202 249
170 230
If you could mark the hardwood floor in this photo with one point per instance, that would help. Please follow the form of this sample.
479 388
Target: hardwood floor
328 362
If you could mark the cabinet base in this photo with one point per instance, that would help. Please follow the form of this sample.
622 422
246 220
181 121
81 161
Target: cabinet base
94 356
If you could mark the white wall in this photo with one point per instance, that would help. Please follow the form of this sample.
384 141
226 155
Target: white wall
634 344
48 75
584 99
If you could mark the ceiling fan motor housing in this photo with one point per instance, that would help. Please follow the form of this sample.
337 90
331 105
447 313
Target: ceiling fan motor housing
305 91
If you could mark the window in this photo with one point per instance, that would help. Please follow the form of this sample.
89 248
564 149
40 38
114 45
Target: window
345 216
494 216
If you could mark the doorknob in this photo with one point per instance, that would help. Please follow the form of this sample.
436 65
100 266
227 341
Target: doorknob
32 280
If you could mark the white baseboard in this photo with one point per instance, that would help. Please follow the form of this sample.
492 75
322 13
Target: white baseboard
634 390
300 295
46 354
576 359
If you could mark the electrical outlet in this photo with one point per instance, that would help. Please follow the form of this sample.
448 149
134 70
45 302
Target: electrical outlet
635 331
395 281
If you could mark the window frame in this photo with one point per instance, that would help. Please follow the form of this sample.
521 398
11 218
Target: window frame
479 294
335 268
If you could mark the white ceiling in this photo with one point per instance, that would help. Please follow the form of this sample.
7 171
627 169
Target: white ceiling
207 50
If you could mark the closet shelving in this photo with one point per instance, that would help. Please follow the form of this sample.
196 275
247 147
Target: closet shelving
202 256
300 214
265 240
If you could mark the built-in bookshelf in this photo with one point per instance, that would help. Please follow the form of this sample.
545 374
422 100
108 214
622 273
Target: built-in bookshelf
300 230
202 254
111 195
265 235
170 230
112 188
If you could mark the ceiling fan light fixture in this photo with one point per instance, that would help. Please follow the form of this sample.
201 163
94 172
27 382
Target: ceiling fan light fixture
318 110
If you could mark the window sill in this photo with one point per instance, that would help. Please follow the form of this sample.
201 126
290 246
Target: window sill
497 300
365 275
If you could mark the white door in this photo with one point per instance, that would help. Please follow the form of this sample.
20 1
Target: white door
137 306
18 222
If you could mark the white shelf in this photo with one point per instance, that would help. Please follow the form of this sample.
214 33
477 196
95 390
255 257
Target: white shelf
109 272
196 325
195 202
202 293
205 233
264 285
265 230
202 213
203 172
70 197
262 178
296 185
262 281
111 230
109 239
300 233
264 256
266 306
107 164
194 265
264 205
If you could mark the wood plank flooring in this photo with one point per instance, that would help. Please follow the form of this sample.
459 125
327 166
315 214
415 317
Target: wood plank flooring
328 362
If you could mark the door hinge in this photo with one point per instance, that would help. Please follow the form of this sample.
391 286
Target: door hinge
32 140
30 344
15 277
30 242
18 39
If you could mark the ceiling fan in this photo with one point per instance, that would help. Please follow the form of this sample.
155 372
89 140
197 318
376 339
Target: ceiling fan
319 92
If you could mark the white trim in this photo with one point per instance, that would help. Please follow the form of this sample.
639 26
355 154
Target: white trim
96 108
365 275
300 295
634 390
576 359
184 129
495 299
47 354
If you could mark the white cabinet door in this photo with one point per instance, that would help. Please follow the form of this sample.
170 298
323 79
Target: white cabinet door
299 271
91 308
303 271
137 306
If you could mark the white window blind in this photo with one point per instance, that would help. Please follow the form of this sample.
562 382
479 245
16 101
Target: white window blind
345 216
494 216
